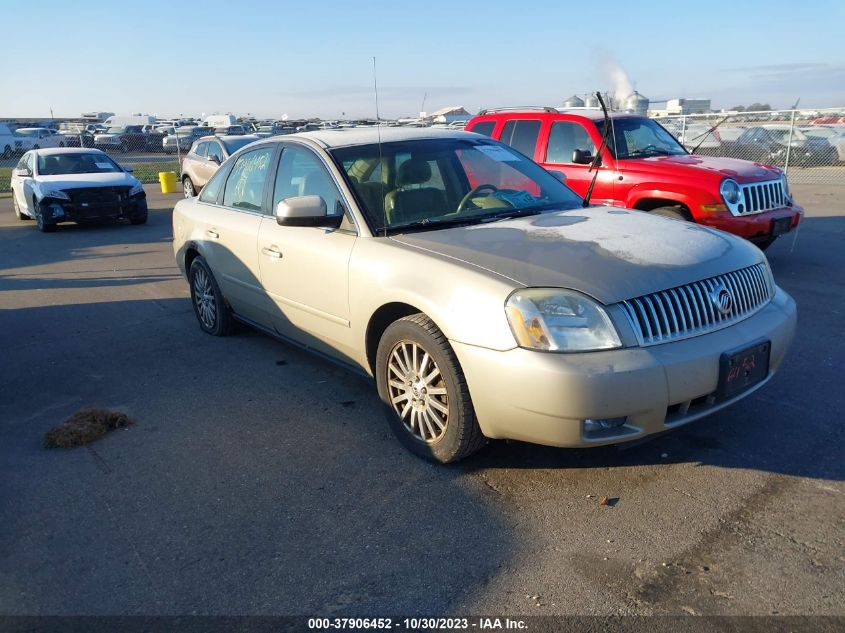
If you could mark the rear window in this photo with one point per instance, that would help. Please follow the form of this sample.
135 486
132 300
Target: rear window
484 127
521 135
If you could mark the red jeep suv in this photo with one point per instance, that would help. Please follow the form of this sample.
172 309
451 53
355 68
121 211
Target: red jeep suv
643 167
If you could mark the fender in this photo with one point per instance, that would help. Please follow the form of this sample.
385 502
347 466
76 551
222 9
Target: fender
663 191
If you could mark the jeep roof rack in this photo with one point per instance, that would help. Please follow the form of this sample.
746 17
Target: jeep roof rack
518 109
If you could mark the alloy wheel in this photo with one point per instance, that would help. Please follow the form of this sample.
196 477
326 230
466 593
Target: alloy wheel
204 299
188 188
418 391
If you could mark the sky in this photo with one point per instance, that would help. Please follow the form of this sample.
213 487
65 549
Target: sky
315 58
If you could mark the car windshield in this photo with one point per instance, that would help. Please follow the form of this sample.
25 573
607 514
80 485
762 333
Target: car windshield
782 135
233 145
87 163
638 137
116 130
425 184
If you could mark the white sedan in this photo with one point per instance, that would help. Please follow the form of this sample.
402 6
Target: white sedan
38 138
75 185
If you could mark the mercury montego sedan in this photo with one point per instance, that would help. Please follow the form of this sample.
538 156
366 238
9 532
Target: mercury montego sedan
477 291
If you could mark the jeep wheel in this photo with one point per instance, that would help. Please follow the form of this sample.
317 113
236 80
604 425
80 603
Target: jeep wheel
426 397
209 305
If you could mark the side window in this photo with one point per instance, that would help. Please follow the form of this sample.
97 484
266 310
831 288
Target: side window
564 138
485 128
302 174
214 149
201 149
23 163
245 184
212 188
521 135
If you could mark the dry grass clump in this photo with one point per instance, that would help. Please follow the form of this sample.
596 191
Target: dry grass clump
85 426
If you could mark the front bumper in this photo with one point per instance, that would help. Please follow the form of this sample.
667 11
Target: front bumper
56 210
544 398
753 226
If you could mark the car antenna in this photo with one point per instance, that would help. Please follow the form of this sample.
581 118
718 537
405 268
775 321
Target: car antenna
707 133
596 158
380 159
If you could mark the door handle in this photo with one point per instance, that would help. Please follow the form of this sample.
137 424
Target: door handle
271 252
212 233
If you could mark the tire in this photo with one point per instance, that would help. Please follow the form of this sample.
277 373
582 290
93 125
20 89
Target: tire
7 151
124 147
211 310
408 349
139 219
20 215
676 213
188 187
44 227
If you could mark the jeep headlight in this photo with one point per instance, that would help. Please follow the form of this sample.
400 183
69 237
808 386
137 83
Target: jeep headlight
730 191
558 320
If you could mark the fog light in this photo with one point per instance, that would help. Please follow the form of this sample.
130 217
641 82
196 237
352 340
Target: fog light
592 427
56 211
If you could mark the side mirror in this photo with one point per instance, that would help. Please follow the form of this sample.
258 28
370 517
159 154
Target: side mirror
306 211
128 169
214 159
582 157
22 173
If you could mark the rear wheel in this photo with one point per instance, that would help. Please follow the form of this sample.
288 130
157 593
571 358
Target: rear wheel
20 215
676 213
209 305
426 397
188 187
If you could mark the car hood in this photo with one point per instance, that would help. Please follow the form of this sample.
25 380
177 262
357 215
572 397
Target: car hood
738 169
75 181
608 253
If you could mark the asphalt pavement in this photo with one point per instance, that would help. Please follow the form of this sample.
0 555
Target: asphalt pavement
261 480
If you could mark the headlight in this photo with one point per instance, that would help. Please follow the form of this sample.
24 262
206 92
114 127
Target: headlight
55 193
557 320
729 190
785 185
138 188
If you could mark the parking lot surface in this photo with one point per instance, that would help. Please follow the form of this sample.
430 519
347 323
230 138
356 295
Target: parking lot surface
261 480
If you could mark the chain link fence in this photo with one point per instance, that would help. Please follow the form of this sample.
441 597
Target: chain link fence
808 146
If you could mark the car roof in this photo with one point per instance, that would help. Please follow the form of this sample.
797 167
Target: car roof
368 135
55 151
593 114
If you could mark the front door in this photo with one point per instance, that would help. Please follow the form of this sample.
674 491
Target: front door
21 188
304 270
563 139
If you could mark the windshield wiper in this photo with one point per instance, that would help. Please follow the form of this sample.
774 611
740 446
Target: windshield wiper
429 223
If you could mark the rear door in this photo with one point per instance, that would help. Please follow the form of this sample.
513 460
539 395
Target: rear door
231 211
522 134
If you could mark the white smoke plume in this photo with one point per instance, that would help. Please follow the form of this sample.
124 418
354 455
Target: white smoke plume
613 72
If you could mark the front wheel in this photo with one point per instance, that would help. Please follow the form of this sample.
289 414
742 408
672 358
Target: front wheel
426 397
209 305
40 222
188 187
139 219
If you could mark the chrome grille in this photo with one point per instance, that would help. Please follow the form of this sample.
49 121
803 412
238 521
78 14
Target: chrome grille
694 309
757 197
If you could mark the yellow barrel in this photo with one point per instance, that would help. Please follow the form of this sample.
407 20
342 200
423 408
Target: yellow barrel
168 181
